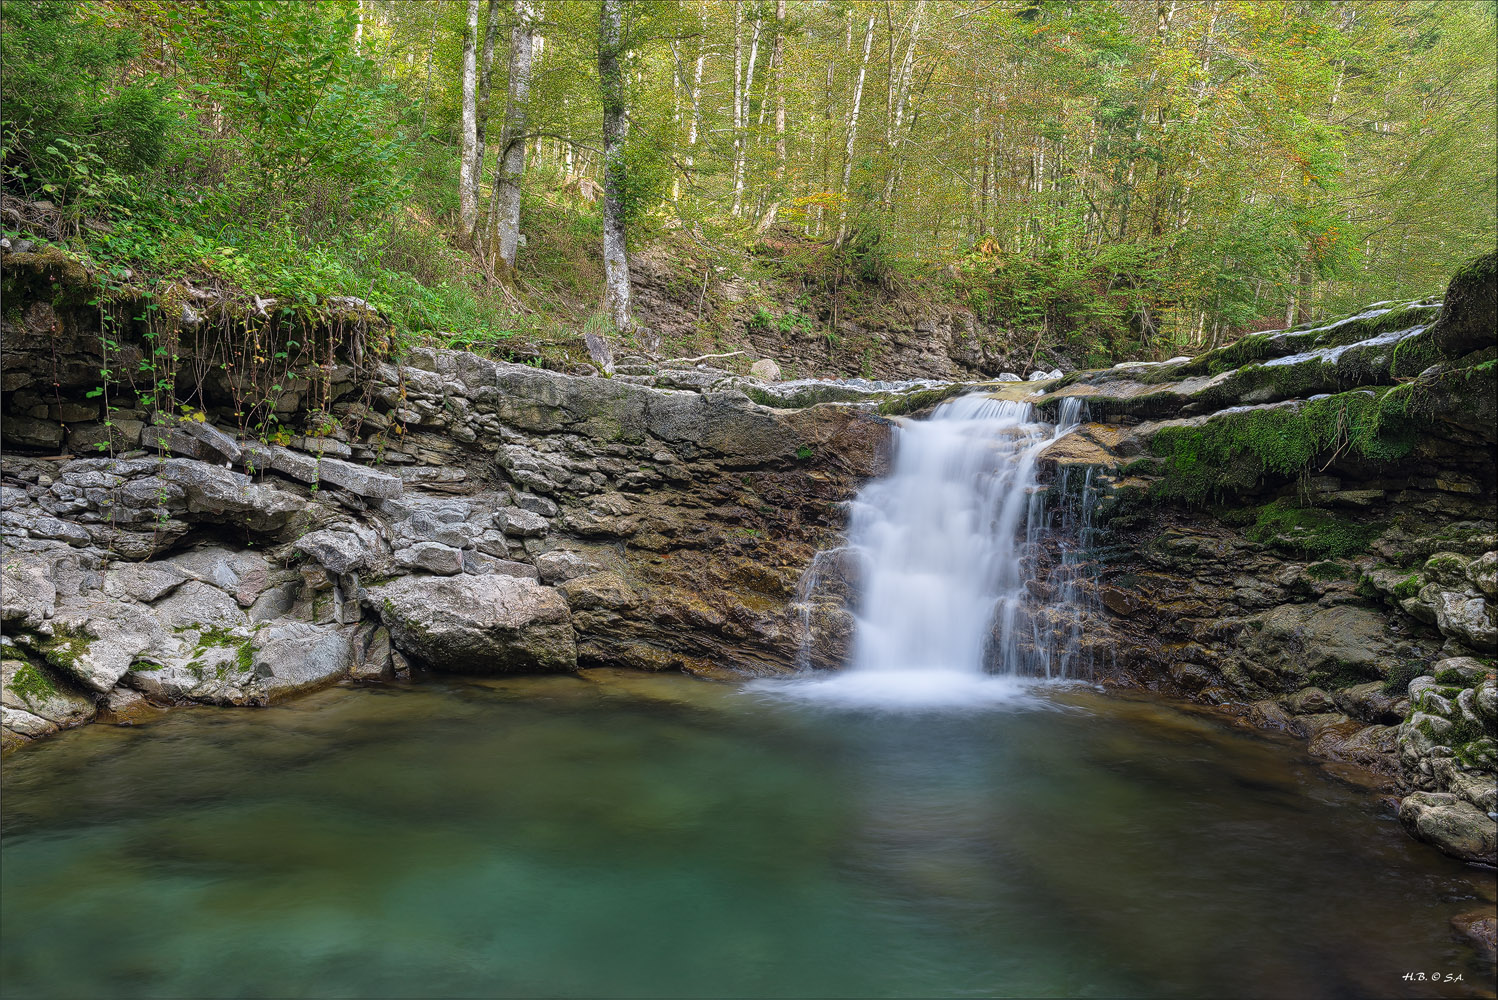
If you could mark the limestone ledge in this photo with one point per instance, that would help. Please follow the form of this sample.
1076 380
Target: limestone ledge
520 520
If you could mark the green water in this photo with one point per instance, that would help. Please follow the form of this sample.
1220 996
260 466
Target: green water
623 835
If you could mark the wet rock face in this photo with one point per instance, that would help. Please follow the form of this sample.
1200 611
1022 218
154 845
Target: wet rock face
455 513
1300 528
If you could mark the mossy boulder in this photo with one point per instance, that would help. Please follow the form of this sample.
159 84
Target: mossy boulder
1469 316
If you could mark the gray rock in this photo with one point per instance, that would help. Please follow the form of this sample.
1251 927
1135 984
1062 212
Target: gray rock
371 654
1370 703
321 446
213 490
480 564
293 657
96 642
1482 572
29 432
144 582
213 439
441 522
600 351
478 624
243 574
124 706
1486 701
1460 670
1309 700
1455 826
563 564
1469 619
608 591
364 481
1008 377
32 689
197 605
434 557
15 720
342 550
765 369
27 594
521 523
357 479
535 504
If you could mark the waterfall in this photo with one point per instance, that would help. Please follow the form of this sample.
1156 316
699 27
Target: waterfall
960 573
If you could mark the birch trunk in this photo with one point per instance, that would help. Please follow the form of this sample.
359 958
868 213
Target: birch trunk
509 166
696 125
741 136
738 93
615 130
777 61
468 206
486 82
863 66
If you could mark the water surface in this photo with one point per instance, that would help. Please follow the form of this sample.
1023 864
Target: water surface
628 835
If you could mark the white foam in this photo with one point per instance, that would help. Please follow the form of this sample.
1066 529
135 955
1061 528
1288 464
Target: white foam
925 690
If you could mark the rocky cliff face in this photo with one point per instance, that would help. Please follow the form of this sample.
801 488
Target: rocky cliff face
448 512
1298 527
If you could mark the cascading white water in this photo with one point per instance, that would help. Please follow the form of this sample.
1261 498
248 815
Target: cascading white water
951 602
942 539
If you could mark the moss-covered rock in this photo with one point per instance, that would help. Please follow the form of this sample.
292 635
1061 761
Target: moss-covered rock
1469 315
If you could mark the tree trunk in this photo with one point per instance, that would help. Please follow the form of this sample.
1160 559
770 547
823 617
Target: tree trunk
615 130
777 62
863 66
509 165
696 125
468 206
741 125
486 82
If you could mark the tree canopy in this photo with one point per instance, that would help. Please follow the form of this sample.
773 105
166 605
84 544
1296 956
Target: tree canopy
1131 176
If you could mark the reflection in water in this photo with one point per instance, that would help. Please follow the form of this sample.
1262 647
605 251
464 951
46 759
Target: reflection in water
621 835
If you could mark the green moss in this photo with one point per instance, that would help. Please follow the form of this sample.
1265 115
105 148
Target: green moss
215 637
1409 586
1312 532
1398 679
1413 355
910 402
65 646
244 657
32 684
1329 570
1200 461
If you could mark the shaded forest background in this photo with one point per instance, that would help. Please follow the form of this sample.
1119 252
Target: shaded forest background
1125 179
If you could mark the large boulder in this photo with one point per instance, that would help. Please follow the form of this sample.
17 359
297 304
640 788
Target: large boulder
1455 826
478 624
97 641
1469 314
30 690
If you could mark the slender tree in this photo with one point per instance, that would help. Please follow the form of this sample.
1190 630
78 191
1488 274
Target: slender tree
615 132
863 67
468 165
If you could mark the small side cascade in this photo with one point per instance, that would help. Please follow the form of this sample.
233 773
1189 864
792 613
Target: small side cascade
959 561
